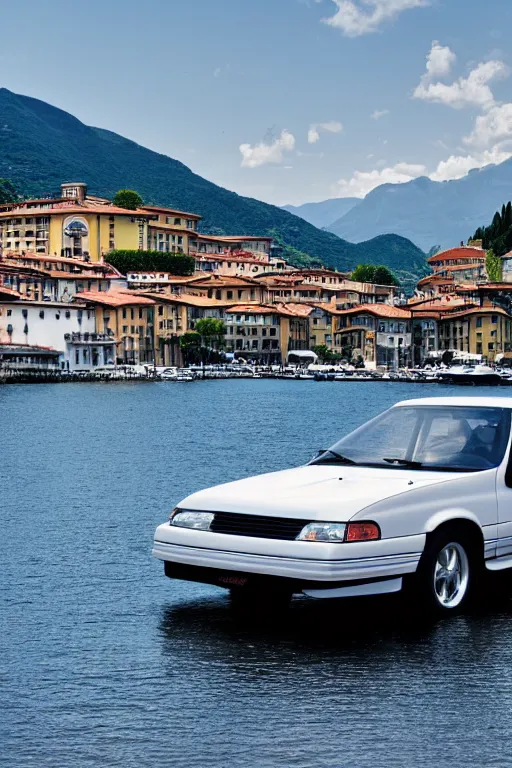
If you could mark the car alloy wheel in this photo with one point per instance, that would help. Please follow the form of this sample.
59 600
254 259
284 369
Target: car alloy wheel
451 575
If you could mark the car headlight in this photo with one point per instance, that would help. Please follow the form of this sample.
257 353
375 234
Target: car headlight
199 521
332 532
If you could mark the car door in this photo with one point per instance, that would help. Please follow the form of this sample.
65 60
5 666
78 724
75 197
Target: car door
504 494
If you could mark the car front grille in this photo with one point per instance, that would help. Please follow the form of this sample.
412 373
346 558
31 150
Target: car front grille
258 526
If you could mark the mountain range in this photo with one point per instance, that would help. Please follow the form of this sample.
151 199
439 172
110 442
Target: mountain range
429 213
325 213
41 146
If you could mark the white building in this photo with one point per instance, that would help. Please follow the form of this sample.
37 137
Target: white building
67 328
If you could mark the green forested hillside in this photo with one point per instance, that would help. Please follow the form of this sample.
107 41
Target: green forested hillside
498 235
41 146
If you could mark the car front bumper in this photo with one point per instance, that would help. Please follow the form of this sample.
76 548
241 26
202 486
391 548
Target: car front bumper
311 567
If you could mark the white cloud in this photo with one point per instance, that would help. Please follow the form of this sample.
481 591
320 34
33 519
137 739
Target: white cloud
494 127
472 90
360 17
363 182
263 154
316 128
378 113
439 61
217 71
458 166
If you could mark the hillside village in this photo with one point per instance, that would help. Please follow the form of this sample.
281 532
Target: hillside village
66 305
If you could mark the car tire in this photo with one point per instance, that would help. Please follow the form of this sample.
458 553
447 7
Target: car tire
449 572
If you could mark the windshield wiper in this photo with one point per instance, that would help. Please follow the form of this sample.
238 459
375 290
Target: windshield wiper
339 458
404 463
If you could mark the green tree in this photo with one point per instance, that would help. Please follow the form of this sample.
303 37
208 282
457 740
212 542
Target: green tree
190 345
8 192
325 354
369 273
211 331
498 235
363 273
127 198
322 350
152 261
384 276
493 267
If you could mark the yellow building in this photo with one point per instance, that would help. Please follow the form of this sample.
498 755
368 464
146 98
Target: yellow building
78 225
478 330
321 327
169 230
130 318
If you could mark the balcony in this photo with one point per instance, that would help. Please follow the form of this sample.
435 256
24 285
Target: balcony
89 338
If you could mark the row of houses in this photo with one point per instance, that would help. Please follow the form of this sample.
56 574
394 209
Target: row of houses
92 316
62 303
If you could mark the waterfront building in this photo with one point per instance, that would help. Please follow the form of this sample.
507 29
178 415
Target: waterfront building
454 267
170 230
321 326
483 331
266 333
83 226
53 278
28 358
379 334
128 318
67 330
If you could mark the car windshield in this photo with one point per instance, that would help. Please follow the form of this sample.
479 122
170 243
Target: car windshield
442 438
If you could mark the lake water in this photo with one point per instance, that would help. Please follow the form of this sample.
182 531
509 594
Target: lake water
105 662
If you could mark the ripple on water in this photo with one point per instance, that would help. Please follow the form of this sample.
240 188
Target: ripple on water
104 662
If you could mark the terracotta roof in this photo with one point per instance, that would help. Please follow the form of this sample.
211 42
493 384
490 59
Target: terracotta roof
441 303
190 299
379 310
288 310
477 311
79 210
458 268
463 252
29 256
254 309
113 298
160 209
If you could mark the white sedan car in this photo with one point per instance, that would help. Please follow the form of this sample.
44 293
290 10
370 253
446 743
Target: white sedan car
420 497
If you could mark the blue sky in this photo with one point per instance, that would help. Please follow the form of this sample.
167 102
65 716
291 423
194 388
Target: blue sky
234 88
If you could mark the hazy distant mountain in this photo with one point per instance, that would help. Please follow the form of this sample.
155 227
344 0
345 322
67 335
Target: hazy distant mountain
428 212
41 146
325 213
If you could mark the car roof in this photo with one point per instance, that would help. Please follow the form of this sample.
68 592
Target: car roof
477 402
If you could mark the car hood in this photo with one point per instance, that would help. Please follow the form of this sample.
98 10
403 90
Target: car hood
313 492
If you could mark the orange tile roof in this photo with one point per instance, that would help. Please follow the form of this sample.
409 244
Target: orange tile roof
194 300
82 210
161 209
379 310
29 256
463 252
459 268
113 298
253 309
441 303
476 311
